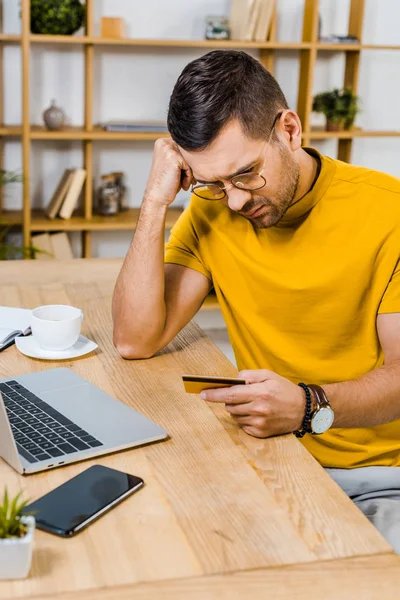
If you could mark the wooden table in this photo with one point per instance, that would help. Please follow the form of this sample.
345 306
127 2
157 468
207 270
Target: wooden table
222 515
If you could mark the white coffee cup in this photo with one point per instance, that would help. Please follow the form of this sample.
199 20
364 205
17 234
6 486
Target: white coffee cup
56 326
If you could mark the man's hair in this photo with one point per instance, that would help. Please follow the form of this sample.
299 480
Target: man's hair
216 88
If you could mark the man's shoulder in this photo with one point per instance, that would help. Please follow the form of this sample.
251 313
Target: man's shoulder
366 180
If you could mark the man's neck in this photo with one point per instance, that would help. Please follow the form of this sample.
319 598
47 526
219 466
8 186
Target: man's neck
308 172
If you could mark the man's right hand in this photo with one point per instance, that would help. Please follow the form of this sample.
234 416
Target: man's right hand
169 173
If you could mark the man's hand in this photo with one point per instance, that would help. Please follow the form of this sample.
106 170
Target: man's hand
169 173
269 405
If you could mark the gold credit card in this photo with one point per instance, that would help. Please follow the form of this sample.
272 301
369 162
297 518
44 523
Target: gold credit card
194 384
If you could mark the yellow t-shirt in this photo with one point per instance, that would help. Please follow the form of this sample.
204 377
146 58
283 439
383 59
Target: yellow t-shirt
301 298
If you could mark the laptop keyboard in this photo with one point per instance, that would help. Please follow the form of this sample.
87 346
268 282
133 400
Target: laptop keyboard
40 431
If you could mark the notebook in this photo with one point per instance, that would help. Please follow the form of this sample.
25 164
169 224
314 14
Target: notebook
13 322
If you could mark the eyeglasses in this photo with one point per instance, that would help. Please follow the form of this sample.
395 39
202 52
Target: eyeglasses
245 181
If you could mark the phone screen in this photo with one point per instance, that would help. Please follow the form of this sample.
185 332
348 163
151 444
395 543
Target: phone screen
72 506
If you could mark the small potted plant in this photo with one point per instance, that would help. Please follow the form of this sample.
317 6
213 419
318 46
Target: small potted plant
16 538
340 108
9 250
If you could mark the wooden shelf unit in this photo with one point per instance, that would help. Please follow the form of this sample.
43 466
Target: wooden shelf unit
98 133
308 49
124 221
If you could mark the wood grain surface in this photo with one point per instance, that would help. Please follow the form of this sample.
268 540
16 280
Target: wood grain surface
216 501
366 578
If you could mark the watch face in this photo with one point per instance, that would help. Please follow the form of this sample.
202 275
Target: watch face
322 420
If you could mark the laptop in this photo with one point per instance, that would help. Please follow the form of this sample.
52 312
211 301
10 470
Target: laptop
56 417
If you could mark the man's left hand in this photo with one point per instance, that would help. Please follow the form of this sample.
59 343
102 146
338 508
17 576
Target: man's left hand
268 405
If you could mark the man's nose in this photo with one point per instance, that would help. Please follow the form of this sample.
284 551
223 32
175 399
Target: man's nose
237 198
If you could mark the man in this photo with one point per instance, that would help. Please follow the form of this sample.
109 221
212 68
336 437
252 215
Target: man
303 254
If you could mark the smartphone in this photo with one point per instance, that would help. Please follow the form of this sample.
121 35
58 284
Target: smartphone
75 504
194 384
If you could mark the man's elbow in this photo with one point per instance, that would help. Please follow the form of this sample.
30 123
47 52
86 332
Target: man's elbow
130 351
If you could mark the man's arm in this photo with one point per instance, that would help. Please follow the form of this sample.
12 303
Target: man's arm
272 405
152 302
374 398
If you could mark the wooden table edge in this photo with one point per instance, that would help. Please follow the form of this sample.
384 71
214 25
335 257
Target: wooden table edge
376 571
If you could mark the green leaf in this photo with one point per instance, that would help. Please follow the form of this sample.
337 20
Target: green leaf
11 511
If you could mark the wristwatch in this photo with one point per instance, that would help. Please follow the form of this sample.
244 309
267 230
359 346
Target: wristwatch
323 416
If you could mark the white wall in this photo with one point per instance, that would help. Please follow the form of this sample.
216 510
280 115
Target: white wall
135 83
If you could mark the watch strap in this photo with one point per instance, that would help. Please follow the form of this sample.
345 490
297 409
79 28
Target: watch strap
320 396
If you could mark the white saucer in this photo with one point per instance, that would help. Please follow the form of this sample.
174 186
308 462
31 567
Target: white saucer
29 347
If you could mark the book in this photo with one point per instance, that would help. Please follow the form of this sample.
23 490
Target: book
73 193
253 16
136 126
264 20
238 18
59 194
13 322
61 246
42 242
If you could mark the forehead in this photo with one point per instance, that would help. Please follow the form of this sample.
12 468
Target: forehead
231 150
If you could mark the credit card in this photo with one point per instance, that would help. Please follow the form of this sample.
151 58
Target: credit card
194 384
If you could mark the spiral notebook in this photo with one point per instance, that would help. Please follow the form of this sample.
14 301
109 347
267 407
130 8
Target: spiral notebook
13 322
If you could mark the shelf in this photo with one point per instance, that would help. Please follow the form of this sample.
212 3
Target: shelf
225 44
338 47
10 130
321 134
122 222
379 47
99 41
10 38
353 47
11 217
165 43
98 133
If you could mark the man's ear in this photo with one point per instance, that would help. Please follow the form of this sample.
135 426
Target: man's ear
290 127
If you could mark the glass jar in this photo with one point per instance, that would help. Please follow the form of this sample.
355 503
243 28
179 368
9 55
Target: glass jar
108 196
119 180
217 28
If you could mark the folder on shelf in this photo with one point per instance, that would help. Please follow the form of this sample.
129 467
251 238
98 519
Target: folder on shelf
264 20
73 193
59 194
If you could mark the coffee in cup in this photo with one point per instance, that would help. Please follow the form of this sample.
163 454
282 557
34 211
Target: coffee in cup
56 326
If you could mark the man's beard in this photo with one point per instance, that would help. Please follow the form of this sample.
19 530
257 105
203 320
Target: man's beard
275 209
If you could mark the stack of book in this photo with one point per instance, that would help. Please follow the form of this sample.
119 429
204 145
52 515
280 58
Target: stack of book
66 194
251 20
52 247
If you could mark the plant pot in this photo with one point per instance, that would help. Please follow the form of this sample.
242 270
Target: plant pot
16 553
334 125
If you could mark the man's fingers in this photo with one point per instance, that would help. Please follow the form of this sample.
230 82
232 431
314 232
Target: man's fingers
254 431
238 409
257 376
236 394
243 419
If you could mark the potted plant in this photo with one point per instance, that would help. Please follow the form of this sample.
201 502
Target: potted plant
56 17
339 106
16 538
11 250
